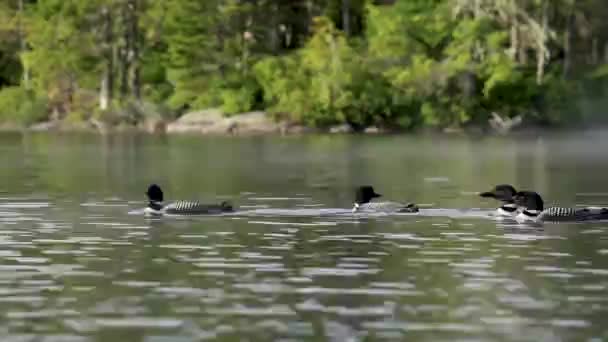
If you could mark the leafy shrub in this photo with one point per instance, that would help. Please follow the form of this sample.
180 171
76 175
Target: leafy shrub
19 105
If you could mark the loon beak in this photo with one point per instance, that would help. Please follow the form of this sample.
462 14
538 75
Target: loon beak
375 195
488 194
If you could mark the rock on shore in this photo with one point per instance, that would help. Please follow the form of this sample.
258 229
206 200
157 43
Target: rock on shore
212 121
204 122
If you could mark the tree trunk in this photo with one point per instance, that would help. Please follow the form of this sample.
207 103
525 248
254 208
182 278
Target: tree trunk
288 36
542 45
310 14
568 44
346 17
477 9
332 72
104 93
595 58
522 55
134 53
274 29
23 46
514 39
247 38
522 51
219 36
124 73
107 80
125 50
69 94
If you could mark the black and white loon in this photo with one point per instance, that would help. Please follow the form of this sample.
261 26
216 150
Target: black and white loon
506 194
156 207
365 194
533 210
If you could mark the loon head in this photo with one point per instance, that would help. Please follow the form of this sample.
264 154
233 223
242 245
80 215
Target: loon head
155 197
530 200
364 194
503 192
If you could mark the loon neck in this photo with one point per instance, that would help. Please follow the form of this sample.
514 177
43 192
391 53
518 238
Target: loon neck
155 205
356 207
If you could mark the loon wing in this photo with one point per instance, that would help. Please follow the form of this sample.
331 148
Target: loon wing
558 214
571 214
196 208
389 207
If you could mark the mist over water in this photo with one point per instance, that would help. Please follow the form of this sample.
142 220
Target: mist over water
78 264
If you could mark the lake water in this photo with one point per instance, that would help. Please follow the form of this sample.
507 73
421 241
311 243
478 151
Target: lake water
75 265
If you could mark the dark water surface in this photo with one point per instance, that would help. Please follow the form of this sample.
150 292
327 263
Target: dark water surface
76 266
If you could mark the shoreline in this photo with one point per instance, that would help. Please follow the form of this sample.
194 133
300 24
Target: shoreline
214 123
474 133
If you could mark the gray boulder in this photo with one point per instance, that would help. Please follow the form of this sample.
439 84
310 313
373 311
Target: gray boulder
213 121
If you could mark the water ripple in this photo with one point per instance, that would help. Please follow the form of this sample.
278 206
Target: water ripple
295 273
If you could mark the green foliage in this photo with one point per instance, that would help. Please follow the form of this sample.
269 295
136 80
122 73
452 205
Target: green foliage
240 95
557 102
209 70
21 106
325 83
329 63
434 63
157 87
60 51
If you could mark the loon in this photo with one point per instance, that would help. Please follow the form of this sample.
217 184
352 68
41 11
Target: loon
155 205
504 193
364 195
534 210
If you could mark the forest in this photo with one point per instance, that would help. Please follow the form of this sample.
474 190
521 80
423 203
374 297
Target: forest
394 63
